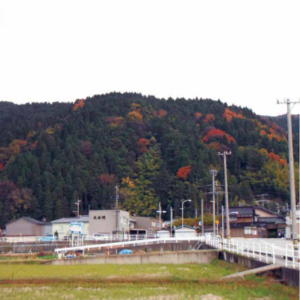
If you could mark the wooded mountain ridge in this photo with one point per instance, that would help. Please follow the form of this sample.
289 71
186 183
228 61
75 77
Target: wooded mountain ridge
154 150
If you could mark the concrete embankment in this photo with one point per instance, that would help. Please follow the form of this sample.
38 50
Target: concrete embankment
178 257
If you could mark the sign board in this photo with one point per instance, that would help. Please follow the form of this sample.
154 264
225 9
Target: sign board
76 227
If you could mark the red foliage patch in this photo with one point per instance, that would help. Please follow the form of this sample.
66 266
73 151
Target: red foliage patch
198 115
2 166
78 104
161 113
184 172
107 178
143 144
209 118
277 158
229 115
218 133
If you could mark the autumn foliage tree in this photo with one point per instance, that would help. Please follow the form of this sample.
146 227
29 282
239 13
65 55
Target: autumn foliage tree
184 172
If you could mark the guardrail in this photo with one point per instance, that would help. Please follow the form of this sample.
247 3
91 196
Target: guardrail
257 249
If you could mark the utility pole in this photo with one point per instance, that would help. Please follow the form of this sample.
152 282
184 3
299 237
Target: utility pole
291 171
202 215
222 221
77 203
171 221
224 154
117 196
160 212
214 174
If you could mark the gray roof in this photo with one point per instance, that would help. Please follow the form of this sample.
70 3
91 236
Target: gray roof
30 220
84 218
242 211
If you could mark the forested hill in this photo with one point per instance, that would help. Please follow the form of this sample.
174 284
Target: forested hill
154 150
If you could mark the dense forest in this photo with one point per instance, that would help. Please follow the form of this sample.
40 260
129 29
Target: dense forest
153 150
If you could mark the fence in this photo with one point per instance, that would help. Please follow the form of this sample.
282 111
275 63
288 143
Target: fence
258 249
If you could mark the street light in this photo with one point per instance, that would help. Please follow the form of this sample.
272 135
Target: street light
182 202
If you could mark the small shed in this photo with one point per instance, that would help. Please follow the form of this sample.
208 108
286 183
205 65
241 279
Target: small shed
185 232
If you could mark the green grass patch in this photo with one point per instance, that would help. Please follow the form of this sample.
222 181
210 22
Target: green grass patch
153 281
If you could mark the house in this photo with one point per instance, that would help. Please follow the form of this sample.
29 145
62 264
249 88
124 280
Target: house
185 232
64 227
109 222
27 228
144 225
255 221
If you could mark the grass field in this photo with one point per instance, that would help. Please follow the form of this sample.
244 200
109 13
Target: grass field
189 281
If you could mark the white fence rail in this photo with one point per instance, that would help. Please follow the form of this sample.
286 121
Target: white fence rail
258 249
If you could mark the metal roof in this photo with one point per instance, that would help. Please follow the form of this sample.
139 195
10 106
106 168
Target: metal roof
84 218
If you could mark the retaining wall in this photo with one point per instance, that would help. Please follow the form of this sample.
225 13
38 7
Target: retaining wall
179 257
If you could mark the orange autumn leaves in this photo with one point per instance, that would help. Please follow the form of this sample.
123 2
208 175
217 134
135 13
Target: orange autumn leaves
78 104
229 115
218 133
184 172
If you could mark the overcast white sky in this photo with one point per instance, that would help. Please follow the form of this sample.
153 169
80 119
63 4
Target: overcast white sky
245 52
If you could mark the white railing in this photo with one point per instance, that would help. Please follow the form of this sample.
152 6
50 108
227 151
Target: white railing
258 249
122 244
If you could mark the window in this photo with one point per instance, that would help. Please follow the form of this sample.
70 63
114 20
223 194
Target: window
99 217
95 217
250 230
103 217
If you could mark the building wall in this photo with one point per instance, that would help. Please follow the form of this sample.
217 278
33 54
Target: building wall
63 229
24 227
149 224
108 221
240 232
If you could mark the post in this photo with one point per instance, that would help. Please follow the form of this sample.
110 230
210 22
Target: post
224 154
214 173
202 215
291 172
160 211
117 196
222 221
171 218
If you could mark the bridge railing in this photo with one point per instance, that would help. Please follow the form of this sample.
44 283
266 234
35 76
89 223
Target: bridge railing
260 250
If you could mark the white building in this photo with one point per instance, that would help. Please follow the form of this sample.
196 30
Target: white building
63 227
185 232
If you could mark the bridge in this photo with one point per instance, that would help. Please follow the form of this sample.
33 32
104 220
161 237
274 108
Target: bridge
270 251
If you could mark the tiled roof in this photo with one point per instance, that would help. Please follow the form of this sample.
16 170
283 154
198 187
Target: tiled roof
241 211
